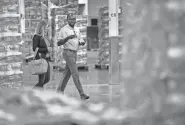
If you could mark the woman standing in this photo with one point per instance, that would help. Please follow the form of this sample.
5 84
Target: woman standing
43 49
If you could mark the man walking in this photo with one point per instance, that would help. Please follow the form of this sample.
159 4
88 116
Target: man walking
69 37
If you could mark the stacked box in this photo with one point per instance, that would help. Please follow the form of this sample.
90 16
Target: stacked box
82 52
103 56
71 7
33 14
10 45
104 42
60 22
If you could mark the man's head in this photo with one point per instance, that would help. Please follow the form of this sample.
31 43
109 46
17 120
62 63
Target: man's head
71 19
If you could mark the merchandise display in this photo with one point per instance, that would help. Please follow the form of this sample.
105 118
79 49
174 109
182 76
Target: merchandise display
104 42
152 72
72 7
81 24
10 45
34 12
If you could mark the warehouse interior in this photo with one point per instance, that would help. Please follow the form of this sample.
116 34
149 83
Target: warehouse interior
132 65
22 17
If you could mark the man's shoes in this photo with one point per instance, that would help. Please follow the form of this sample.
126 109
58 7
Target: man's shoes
59 91
84 97
38 87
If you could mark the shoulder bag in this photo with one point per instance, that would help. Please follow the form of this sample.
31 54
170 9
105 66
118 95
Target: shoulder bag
39 66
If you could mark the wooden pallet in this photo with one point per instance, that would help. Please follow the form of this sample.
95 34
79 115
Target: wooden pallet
94 50
58 68
84 68
98 66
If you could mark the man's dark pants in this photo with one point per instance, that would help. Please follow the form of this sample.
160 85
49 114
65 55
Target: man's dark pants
70 57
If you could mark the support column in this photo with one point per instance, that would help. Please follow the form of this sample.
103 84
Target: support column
114 67
22 30
22 17
49 20
53 33
114 47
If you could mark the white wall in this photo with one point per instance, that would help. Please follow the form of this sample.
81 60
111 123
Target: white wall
86 6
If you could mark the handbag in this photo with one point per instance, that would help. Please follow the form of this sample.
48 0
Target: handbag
39 66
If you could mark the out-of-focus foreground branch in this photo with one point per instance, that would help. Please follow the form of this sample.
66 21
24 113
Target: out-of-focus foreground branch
153 61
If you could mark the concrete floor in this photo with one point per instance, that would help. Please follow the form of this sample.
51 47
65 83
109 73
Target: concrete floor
95 82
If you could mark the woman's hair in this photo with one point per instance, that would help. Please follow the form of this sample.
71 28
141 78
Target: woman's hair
39 27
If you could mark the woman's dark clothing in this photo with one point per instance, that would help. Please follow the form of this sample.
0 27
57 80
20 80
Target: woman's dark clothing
39 42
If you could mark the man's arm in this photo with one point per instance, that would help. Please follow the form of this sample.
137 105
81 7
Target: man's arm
63 39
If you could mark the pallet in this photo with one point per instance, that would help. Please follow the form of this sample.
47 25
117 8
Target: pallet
60 69
84 68
94 50
98 66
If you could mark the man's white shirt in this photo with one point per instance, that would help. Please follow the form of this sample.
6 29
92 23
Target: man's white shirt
71 44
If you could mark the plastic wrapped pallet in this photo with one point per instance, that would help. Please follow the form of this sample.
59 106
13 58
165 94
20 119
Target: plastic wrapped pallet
10 46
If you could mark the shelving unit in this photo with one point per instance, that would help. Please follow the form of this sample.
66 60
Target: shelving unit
9 15
11 30
35 10
82 52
